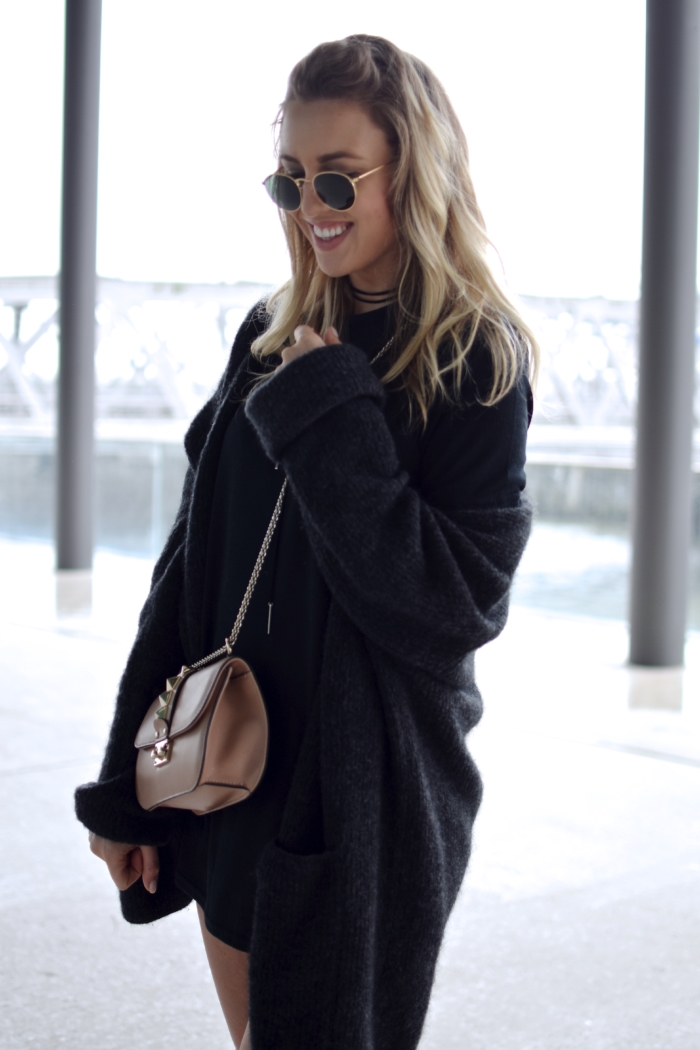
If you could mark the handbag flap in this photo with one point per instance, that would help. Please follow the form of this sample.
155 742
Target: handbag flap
192 697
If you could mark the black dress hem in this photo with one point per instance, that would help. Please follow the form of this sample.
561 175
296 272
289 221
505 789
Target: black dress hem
238 939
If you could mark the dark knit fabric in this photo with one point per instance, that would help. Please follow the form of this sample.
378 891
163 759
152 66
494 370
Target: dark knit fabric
282 640
354 894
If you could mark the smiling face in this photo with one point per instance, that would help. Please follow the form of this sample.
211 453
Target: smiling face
333 135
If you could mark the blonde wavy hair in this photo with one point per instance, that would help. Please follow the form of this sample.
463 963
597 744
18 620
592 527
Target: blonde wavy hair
447 293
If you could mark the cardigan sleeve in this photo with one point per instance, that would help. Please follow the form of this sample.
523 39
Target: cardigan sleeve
109 806
426 580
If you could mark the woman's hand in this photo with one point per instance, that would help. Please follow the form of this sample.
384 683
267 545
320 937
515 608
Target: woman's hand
127 863
307 339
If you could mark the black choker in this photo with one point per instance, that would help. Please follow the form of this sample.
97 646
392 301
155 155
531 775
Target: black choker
376 298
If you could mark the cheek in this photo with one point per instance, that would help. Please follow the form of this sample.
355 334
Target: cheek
381 223
302 226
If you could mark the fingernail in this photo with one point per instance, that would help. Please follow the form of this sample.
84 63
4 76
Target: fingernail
153 885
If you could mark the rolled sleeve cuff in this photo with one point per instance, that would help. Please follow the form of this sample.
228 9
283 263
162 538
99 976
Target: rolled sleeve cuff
110 809
298 394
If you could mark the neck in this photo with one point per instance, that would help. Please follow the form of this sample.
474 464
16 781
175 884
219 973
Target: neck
369 299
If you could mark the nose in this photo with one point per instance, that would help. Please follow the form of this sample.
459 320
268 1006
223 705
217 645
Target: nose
312 207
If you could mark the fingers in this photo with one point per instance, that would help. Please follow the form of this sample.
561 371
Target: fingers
151 867
127 863
302 346
288 354
306 337
118 858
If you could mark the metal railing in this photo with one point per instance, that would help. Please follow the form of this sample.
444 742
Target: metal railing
162 347
159 347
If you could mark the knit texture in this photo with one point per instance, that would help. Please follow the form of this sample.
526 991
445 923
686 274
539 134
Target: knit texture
354 895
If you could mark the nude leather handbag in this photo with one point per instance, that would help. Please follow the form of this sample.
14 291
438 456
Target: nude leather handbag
202 744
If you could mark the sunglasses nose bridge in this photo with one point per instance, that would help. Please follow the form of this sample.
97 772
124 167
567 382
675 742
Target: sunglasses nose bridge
313 197
307 187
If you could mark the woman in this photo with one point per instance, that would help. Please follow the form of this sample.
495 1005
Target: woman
387 381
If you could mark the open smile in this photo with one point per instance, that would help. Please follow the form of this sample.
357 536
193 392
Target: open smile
330 235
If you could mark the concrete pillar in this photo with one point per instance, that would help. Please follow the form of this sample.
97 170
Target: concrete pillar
662 508
76 382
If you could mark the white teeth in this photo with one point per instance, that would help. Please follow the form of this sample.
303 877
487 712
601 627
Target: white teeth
326 232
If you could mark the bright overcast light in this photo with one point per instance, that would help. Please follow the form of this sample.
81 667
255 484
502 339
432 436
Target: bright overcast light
550 94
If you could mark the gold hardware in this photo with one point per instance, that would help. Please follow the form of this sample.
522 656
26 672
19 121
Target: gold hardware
227 647
166 699
161 752
164 710
383 350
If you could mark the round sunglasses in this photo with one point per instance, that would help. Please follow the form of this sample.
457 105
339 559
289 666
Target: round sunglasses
335 190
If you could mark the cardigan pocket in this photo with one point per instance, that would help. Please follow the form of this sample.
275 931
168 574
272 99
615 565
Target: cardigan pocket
300 903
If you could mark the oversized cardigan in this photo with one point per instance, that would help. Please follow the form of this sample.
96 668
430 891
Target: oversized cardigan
354 895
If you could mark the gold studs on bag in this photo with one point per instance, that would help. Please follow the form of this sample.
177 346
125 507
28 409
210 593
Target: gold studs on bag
166 699
161 723
161 752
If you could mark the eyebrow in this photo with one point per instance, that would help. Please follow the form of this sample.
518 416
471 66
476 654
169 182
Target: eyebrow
326 158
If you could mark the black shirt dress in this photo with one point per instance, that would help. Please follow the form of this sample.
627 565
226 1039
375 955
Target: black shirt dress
480 448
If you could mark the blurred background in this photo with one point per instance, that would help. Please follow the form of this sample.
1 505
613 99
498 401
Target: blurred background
578 923
551 97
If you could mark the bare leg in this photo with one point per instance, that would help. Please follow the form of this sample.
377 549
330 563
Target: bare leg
229 968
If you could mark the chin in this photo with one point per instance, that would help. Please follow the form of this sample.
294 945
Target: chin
333 268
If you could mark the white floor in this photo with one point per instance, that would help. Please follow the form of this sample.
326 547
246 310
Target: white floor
579 922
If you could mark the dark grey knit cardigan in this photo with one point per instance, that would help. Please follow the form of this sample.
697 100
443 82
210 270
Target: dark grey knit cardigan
354 895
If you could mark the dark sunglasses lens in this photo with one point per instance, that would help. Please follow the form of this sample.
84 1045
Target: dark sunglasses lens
334 190
284 192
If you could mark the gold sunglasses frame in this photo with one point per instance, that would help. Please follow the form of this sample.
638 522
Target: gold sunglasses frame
299 184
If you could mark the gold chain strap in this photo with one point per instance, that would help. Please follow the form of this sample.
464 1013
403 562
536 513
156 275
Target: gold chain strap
229 643
227 647
383 350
